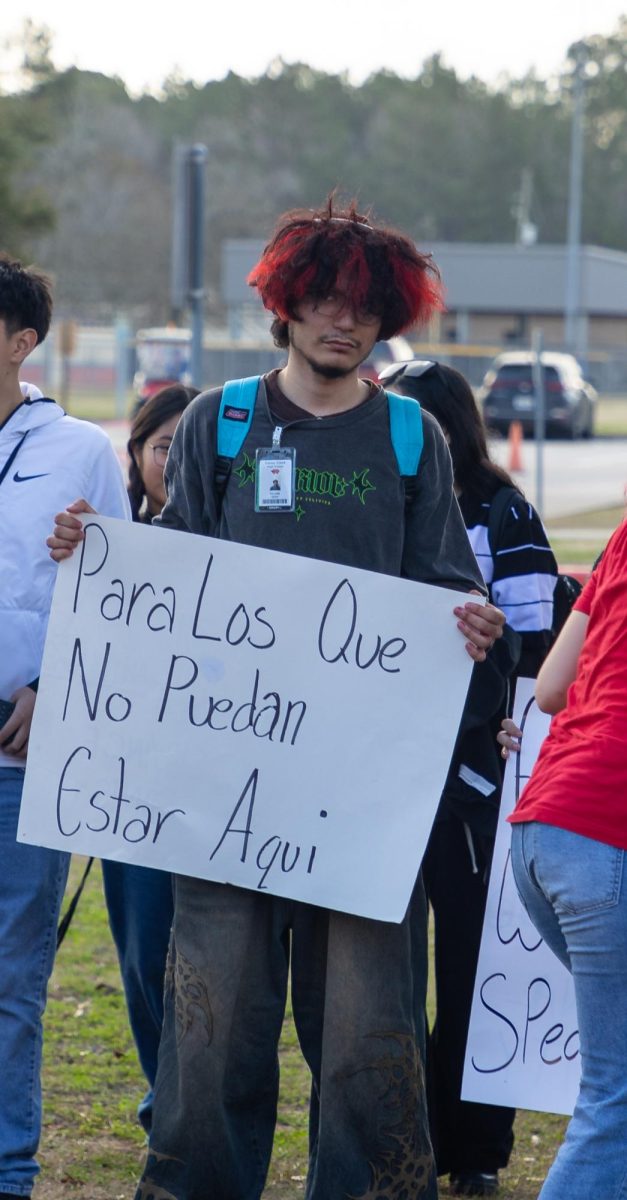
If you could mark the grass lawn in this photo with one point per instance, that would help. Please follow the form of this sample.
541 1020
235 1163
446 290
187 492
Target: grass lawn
92 1146
611 417
593 529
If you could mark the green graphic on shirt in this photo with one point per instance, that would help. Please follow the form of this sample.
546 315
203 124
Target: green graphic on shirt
361 485
319 483
246 471
314 484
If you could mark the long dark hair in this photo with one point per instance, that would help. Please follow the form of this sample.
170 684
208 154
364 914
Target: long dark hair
169 402
446 394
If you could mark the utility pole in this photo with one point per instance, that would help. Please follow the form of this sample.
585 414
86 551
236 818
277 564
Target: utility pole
537 375
572 305
188 220
196 167
526 231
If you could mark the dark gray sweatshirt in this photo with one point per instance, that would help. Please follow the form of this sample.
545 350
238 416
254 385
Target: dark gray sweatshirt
350 499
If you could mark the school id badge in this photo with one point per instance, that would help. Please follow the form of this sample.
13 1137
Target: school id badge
275 478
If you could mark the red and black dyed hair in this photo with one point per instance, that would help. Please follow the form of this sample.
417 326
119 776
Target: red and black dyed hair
380 269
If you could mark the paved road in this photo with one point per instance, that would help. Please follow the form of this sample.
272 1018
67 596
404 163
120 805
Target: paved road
579 476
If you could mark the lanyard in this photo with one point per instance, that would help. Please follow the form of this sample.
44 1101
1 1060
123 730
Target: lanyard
12 457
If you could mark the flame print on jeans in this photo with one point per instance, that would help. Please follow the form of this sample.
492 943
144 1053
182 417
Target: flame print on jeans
147 1188
191 999
404 1169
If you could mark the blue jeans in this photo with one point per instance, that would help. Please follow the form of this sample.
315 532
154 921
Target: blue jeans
140 906
575 892
358 998
32 882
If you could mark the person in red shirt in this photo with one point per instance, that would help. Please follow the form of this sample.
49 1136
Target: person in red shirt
569 839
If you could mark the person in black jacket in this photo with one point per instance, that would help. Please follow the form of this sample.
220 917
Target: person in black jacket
472 1141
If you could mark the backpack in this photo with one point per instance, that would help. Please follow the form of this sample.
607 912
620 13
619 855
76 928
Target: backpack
567 588
236 413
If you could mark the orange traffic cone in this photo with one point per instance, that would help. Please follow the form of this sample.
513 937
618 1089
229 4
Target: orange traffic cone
515 443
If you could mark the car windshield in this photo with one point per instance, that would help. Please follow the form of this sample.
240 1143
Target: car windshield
514 374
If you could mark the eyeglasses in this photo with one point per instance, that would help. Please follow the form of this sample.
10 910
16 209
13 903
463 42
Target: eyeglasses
334 303
159 453
413 370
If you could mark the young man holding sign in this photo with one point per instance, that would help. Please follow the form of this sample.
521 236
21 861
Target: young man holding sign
45 457
335 283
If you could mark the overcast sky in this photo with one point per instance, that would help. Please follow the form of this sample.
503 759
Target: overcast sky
135 40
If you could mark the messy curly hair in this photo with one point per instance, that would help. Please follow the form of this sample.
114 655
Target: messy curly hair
383 270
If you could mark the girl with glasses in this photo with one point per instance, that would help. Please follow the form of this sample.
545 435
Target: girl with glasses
152 430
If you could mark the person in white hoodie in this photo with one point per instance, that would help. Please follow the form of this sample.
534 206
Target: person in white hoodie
46 460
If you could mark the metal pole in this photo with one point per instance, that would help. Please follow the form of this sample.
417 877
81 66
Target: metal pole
572 304
197 161
180 252
122 339
537 375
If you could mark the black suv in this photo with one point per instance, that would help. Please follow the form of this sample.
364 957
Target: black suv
507 395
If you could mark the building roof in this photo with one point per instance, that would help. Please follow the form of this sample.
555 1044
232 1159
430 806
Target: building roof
490 277
495 277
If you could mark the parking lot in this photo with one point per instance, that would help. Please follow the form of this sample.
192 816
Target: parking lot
578 476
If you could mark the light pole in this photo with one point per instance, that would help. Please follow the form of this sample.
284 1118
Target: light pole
197 161
572 304
188 217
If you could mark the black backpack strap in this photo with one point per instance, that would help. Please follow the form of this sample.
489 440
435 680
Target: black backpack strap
499 505
64 923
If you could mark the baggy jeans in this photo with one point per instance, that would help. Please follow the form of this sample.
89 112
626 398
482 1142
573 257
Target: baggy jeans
575 891
32 882
358 998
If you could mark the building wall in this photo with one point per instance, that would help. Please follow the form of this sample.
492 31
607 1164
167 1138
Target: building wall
503 328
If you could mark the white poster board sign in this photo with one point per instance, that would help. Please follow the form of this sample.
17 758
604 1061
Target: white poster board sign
245 716
523 1044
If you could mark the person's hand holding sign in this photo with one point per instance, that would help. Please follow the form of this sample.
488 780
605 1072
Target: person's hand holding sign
509 737
68 530
481 624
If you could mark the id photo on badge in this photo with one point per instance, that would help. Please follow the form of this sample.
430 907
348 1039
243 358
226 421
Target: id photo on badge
274 480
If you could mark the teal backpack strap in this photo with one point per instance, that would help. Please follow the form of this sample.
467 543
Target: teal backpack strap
234 419
407 437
